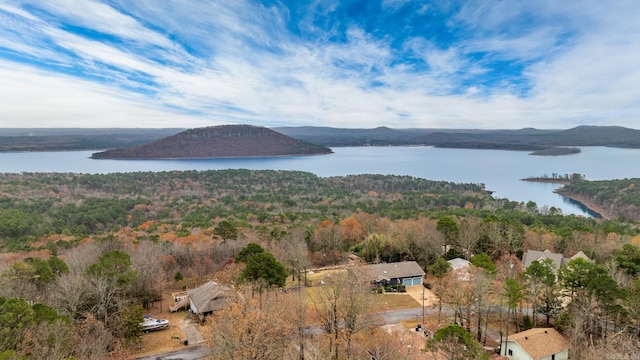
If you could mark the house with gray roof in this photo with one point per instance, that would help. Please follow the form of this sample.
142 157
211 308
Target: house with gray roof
558 259
208 298
407 273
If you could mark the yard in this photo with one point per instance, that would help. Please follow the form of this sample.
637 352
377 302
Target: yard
173 337
162 340
380 302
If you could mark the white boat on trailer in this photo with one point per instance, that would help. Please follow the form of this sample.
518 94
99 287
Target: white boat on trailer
151 324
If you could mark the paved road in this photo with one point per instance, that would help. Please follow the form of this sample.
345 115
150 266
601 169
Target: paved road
200 351
395 316
196 350
188 353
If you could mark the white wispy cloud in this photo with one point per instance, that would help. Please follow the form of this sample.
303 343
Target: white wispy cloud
33 98
187 63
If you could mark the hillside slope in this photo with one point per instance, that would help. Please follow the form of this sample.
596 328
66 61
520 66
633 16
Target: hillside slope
218 142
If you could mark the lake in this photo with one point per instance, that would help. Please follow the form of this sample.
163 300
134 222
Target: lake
499 170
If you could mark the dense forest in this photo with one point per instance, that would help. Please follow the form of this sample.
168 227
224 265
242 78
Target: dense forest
88 253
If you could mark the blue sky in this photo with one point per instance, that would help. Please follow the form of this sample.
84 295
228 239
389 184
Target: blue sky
353 64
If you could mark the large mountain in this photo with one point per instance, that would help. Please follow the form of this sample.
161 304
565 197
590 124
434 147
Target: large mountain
218 142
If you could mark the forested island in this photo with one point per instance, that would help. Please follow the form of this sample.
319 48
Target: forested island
218 142
556 178
556 151
84 256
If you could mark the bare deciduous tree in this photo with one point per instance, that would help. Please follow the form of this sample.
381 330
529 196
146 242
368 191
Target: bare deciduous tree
342 309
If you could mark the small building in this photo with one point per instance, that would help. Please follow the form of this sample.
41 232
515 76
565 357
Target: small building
460 267
407 273
536 344
208 298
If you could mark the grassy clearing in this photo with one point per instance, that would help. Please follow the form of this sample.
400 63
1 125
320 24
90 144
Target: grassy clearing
386 302
379 302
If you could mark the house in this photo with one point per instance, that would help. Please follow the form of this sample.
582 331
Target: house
536 344
407 273
208 298
558 259
460 267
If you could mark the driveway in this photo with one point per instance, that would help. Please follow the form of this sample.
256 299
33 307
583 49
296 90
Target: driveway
196 349
416 293
190 325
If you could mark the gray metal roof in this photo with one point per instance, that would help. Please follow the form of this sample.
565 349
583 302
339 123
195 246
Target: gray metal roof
385 271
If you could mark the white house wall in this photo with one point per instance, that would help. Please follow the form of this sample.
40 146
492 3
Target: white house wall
518 353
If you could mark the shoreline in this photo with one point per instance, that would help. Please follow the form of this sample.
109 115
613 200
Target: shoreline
582 200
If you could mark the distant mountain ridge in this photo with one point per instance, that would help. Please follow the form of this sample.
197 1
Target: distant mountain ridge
544 142
529 139
62 139
218 142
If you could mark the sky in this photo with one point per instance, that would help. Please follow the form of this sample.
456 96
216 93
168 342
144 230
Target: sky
473 64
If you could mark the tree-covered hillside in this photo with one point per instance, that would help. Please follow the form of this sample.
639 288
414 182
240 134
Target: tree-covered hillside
216 142
84 254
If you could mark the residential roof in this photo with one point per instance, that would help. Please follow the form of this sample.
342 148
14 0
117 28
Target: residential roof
580 254
533 255
459 263
387 271
540 342
209 297
558 260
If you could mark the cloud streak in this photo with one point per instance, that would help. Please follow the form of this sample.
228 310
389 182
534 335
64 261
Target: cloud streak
472 64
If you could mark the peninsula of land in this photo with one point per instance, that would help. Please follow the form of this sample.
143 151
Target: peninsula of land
587 203
619 198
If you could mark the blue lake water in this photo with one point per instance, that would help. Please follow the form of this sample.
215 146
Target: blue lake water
499 170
